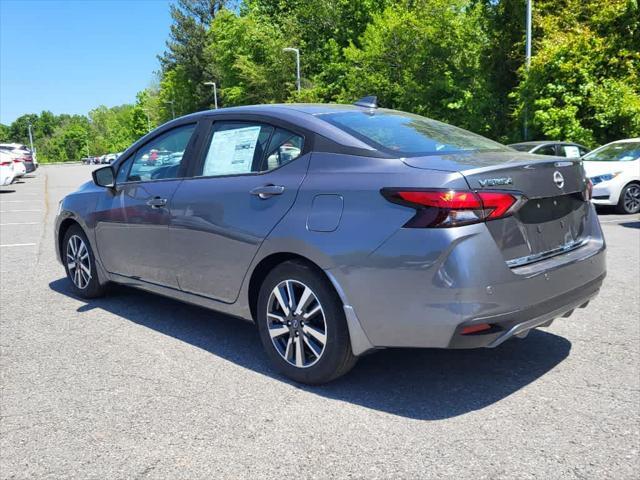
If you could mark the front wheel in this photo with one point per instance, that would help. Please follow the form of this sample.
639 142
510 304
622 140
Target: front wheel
630 199
80 265
302 325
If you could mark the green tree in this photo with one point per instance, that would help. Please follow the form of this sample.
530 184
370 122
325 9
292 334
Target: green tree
245 54
426 59
184 59
584 81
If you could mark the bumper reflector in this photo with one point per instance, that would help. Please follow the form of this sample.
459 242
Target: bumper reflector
480 327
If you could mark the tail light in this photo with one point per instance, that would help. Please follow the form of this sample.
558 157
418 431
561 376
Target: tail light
17 160
588 191
6 164
451 208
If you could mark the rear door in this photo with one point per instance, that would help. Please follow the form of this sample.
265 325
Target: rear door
247 180
133 218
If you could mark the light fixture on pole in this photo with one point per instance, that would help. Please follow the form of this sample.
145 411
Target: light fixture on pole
297 52
215 93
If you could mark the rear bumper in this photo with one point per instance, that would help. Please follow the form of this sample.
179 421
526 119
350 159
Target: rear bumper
422 286
506 326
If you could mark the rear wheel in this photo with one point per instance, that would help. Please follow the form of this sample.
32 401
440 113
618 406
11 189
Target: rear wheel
79 263
629 199
302 325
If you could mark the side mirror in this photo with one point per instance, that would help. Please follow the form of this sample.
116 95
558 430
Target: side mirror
104 177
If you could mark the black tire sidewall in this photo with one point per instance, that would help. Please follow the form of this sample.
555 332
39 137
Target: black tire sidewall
93 289
338 346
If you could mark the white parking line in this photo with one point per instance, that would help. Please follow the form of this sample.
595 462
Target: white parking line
11 211
18 245
620 220
18 223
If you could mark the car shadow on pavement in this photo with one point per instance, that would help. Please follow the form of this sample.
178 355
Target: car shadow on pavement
425 384
630 224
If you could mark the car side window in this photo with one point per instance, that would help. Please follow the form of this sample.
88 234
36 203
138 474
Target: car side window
239 148
546 150
161 157
283 148
570 151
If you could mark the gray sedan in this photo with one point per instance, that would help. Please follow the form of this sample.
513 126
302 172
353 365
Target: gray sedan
339 230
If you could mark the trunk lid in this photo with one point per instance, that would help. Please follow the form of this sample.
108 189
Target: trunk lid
554 218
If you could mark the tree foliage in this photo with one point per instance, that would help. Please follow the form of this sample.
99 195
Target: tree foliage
459 61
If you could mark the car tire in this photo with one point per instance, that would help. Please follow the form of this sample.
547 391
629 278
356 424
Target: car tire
310 345
79 263
629 202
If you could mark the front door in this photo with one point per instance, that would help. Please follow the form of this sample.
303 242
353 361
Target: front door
133 218
247 182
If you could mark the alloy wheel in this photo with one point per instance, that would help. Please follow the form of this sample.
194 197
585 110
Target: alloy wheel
78 262
296 323
631 200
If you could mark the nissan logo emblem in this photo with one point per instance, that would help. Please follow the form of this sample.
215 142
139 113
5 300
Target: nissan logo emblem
558 179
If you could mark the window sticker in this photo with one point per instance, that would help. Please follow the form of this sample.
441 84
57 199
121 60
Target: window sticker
231 151
571 151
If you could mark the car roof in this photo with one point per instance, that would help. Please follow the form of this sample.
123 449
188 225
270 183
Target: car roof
626 140
303 115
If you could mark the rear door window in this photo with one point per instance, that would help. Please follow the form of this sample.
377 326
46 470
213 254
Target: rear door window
545 150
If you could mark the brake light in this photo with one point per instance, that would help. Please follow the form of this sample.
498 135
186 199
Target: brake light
6 164
17 160
588 192
450 208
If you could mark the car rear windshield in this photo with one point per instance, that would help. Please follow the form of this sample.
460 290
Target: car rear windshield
616 152
410 135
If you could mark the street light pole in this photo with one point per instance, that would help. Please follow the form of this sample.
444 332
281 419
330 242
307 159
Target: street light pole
527 60
146 112
215 93
297 52
528 43
31 140
173 111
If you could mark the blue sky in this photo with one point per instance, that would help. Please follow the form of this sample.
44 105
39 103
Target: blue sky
71 56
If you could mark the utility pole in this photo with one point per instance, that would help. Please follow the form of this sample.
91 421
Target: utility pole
527 60
297 52
215 93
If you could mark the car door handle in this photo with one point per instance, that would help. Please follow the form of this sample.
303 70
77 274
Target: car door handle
267 191
157 202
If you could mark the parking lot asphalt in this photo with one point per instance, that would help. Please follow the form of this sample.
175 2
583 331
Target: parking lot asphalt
138 386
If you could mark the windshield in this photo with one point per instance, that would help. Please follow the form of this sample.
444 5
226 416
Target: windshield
405 134
616 152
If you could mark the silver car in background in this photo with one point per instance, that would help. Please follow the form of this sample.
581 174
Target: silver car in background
339 230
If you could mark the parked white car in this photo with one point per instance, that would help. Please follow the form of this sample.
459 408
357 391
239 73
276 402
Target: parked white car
614 170
6 169
21 152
